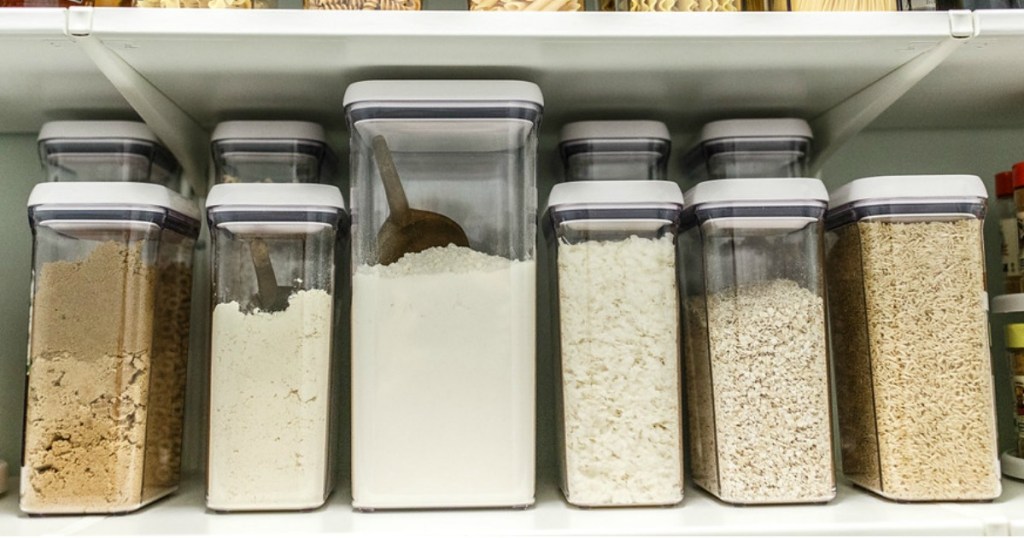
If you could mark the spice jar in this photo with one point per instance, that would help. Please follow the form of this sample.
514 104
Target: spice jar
272 152
1015 353
106 151
271 365
749 148
757 378
909 319
443 292
108 346
613 250
1006 210
1018 201
596 150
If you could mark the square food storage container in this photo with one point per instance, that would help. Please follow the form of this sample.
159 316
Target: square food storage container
749 148
833 5
272 152
443 337
271 418
596 150
615 300
108 346
106 151
757 379
909 315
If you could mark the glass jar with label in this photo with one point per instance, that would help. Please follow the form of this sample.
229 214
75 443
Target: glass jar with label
1015 354
1006 212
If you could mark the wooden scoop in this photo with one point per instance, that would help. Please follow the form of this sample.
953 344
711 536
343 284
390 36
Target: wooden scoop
272 298
408 230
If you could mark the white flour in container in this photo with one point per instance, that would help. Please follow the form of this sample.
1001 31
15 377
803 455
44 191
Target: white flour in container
443 381
619 330
269 405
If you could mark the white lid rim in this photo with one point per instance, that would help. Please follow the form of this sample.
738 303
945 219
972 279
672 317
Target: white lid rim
756 128
908 190
110 195
384 91
274 197
581 131
96 129
614 193
748 192
268 130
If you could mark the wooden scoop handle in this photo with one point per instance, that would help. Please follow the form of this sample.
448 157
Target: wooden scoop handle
397 201
266 281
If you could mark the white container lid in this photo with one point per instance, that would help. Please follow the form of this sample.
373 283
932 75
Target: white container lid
275 196
269 130
756 128
84 194
770 191
909 190
412 91
615 193
1008 304
135 130
589 130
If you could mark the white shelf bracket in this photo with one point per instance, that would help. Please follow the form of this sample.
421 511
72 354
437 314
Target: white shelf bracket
182 135
842 122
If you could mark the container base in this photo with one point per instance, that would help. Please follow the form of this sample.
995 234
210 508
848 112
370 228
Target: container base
1012 465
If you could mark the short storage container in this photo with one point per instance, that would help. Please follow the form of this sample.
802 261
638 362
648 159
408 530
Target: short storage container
749 148
757 379
599 150
106 151
272 152
444 209
615 305
272 407
108 346
909 315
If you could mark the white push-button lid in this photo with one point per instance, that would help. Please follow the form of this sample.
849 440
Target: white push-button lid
775 191
275 196
132 130
626 129
919 189
269 130
443 90
111 195
756 128
613 193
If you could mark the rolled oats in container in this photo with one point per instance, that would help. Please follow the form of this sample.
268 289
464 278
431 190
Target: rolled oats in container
757 380
909 322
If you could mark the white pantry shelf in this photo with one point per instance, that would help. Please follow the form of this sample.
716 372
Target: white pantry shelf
853 512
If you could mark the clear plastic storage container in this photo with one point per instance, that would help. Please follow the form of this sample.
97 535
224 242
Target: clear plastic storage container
597 150
443 306
757 378
615 305
108 346
749 148
271 428
909 315
834 5
106 151
272 152
677 5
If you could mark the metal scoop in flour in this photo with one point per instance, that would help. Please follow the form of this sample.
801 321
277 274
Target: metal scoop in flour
408 230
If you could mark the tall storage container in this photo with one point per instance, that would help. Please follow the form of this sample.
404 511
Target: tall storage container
615 301
271 442
756 351
108 346
595 150
909 319
442 326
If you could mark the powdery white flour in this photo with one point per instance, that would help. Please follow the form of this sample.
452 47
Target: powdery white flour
443 381
619 330
269 405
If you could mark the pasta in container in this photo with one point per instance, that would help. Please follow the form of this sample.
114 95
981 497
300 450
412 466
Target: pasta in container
210 4
834 5
672 5
525 5
365 5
